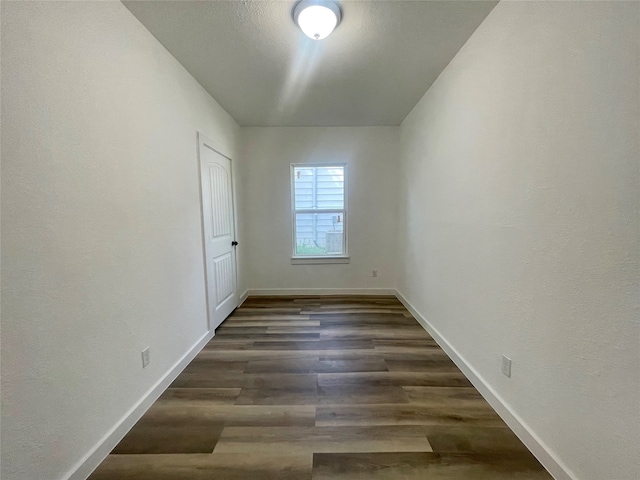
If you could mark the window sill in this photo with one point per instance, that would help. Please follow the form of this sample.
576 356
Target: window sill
318 260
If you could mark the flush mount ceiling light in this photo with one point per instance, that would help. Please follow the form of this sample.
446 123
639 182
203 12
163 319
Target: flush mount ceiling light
317 18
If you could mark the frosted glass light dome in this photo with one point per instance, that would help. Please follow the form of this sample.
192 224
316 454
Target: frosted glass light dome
317 18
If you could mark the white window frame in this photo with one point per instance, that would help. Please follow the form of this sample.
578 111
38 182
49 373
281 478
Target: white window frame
319 259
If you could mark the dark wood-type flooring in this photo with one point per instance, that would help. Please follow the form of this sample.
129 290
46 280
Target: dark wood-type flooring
321 388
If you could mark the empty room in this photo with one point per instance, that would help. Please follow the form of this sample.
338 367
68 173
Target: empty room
320 240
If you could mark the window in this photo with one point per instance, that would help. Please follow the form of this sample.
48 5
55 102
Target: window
319 213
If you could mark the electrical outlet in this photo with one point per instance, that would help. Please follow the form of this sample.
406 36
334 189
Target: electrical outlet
145 357
374 273
506 366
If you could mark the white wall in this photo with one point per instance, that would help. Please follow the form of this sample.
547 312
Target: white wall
101 236
371 154
518 199
520 186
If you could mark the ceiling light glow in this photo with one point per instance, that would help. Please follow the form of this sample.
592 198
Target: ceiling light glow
317 18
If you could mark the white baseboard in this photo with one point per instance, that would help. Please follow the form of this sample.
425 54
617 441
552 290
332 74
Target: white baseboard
243 297
540 450
320 291
99 452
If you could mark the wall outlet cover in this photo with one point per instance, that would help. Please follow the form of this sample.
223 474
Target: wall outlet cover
145 357
506 366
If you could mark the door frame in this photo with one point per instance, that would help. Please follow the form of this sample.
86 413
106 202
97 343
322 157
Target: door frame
206 142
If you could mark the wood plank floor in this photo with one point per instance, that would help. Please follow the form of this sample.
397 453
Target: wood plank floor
321 388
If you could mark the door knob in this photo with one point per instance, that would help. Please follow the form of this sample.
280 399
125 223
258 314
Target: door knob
234 243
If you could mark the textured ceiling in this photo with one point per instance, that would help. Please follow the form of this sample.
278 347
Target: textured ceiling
372 70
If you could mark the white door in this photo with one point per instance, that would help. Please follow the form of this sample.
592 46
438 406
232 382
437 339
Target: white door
219 232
